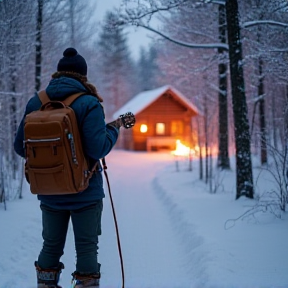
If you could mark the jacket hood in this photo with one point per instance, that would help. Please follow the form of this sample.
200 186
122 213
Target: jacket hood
63 87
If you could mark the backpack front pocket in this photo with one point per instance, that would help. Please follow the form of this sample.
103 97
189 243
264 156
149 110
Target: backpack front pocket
44 180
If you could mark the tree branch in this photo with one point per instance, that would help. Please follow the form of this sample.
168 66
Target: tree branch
279 50
185 44
219 2
264 22
154 10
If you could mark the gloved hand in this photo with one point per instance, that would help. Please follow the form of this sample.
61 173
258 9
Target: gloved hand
117 123
127 120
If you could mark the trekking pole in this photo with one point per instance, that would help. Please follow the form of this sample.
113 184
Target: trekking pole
115 220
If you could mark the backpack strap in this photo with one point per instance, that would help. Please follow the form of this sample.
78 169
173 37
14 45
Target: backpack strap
70 99
44 98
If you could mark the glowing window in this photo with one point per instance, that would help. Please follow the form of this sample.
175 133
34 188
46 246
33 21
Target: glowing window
143 128
160 128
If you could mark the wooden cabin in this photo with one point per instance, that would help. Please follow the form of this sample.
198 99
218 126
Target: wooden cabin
163 115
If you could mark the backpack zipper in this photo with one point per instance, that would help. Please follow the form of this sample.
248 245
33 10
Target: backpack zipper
42 140
72 146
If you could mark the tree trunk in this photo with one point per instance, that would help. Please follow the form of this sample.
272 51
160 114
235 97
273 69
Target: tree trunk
206 139
223 154
12 157
263 135
262 114
199 129
244 185
274 125
72 11
38 46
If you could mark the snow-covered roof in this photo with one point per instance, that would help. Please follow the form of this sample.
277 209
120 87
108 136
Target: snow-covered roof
142 100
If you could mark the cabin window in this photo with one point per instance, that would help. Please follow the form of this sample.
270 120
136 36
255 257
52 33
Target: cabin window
176 128
143 128
160 128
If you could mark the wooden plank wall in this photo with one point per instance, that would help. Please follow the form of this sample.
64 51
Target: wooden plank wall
164 110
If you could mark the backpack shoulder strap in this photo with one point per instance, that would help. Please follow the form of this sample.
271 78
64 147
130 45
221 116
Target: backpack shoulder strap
44 98
70 99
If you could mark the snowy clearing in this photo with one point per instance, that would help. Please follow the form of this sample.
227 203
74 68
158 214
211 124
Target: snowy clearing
174 233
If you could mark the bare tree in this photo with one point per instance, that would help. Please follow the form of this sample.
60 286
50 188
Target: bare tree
242 133
223 155
38 46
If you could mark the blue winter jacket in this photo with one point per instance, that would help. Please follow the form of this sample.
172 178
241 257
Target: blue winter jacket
97 138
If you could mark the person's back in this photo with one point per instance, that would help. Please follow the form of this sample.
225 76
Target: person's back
85 208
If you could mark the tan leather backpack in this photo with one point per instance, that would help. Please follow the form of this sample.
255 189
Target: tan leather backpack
55 161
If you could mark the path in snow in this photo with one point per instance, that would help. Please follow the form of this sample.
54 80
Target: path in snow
154 253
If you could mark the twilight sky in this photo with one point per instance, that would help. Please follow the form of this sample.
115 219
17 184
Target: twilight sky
136 37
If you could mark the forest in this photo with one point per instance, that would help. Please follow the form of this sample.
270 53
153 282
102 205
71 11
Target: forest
228 57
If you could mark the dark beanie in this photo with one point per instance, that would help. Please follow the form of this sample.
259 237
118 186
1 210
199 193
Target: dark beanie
72 62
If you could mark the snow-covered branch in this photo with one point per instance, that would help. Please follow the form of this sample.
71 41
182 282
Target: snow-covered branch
264 22
10 93
280 50
219 2
137 16
185 44
143 11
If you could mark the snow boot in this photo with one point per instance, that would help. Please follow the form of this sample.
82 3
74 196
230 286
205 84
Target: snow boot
85 280
48 278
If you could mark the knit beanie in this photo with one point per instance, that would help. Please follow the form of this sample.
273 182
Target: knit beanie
72 62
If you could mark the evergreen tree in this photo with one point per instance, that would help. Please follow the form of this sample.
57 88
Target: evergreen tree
115 67
148 70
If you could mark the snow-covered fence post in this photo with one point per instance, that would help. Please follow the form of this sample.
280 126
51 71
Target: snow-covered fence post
190 159
176 162
2 190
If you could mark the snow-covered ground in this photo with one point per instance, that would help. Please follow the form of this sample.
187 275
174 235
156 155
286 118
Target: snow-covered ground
174 233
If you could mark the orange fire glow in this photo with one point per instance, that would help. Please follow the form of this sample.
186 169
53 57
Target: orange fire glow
182 150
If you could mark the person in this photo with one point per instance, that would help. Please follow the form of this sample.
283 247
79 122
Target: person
85 208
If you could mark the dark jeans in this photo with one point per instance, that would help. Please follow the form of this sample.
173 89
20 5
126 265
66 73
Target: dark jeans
86 226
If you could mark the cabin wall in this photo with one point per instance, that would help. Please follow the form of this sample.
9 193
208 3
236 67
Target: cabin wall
175 116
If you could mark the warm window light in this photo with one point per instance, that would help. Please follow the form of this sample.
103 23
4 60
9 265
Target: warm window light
160 128
143 128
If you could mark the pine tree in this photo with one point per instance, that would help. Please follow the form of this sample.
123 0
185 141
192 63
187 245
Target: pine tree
115 67
148 69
